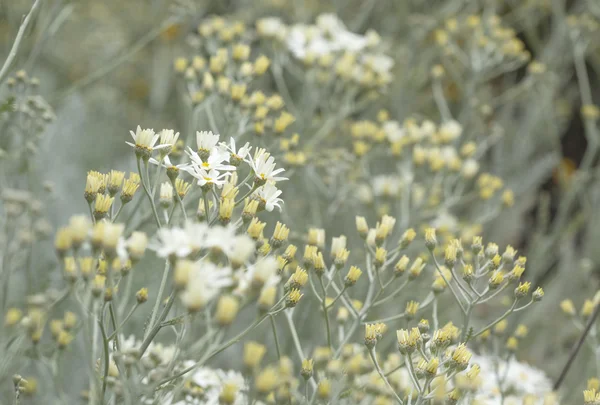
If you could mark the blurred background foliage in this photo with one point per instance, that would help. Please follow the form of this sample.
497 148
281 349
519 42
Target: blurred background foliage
107 66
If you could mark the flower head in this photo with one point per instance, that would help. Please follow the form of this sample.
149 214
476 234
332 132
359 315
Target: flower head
263 165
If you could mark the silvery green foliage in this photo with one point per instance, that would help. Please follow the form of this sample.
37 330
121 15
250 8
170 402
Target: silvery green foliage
414 115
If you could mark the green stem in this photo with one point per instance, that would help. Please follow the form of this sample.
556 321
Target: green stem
221 348
382 375
454 294
491 325
145 187
119 327
252 190
161 290
118 213
15 47
158 326
325 312
274 327
106 360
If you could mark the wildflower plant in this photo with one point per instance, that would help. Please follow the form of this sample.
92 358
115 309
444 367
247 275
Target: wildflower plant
323 220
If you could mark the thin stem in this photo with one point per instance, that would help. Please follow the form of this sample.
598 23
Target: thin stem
382 375
252 190
118 213
274 327
392 295
106 360
206 206
145 187
491 325
158 325
454 294
119 327
325 312
221 348
161 290
411 372
15 47
337 297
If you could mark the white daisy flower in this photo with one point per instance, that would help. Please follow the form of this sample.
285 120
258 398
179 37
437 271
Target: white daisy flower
521 380
269 196
263 165
166 163
143 138
261 274
206 140
240 153
171 242
214 161
168 137
144 142
205 283
208 177
196 234
222 238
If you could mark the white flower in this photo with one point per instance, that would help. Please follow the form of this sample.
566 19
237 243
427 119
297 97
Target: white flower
427 129
445 222
222 238
262 273
144 139
206 140
166 163
196 233
243 248
168 137
240 153
209 177
166 192
337 245
170 242
136 244
387 185
470 168
264 167
214 161
205 283
269 196
451 129
521 380
379 63
393 131
271 27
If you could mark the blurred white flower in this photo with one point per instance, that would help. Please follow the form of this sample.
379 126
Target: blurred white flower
387 185
393 131
205 282
271 27
470 168
521 380
171 242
